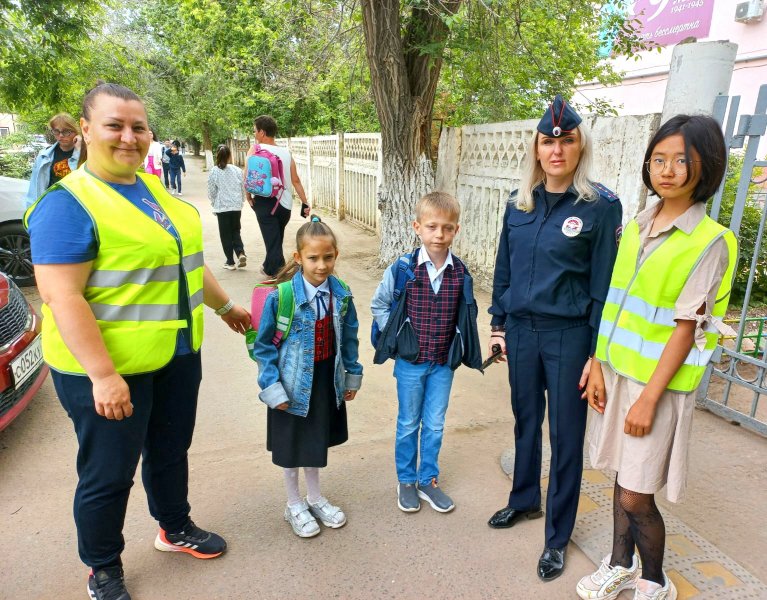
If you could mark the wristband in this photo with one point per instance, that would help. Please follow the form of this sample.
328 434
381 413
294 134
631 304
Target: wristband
225 308
497 328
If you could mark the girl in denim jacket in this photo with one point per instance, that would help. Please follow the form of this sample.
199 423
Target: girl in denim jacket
306 381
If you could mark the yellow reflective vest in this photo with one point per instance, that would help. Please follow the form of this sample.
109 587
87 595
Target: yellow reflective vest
638 316
133 288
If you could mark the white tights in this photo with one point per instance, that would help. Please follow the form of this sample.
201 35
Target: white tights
312 475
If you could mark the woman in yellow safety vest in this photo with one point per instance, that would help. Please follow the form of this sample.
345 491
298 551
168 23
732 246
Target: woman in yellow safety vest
120 269
660 324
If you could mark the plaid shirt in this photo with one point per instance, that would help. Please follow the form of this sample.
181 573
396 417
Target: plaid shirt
434 316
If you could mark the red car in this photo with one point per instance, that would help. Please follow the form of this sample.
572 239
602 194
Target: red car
22 370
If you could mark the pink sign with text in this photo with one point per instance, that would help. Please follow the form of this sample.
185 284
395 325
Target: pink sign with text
667 22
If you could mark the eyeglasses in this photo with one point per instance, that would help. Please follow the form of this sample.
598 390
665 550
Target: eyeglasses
63 132
656 166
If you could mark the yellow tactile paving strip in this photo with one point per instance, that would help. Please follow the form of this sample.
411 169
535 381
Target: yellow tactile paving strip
698 569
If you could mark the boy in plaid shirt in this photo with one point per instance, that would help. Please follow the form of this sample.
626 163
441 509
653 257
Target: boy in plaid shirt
432 330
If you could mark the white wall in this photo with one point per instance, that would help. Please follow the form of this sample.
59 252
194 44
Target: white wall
644 84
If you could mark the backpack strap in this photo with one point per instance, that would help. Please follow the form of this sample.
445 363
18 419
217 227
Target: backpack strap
404 273
285 309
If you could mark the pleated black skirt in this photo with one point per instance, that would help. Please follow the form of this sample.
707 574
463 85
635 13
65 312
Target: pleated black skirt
304 441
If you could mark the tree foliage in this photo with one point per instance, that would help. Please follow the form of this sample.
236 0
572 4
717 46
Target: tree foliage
749 229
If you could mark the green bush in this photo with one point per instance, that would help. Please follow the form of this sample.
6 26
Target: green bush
749 228
14 161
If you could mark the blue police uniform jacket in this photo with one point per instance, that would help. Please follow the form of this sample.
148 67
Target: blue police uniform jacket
554 263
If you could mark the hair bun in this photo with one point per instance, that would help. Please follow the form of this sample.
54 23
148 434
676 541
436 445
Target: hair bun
316 219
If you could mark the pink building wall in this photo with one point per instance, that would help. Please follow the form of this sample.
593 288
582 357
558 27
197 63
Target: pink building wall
644 84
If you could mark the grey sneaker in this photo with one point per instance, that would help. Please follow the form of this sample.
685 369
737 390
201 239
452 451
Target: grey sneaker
331 516
407 497
438 499
301 520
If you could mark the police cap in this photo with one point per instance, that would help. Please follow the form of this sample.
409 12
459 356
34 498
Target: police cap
559 118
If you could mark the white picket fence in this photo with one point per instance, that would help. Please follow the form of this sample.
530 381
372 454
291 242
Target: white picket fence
340 172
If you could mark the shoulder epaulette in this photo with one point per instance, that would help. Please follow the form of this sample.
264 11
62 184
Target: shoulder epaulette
606 193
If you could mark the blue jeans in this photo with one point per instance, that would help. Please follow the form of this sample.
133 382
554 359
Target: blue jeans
175 179
423 391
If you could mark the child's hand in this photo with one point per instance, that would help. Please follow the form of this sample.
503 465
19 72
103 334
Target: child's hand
640 417
349 395
283 406
595 393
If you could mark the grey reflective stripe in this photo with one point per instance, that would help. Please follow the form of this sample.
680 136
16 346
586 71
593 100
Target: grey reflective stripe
135 312
195 299
193 261
652 350
113 279
650 313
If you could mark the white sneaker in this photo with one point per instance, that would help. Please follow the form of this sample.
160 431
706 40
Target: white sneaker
229 267
301 520
667 592
607 582
331 516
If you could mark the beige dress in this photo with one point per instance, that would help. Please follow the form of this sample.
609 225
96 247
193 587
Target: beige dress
645 464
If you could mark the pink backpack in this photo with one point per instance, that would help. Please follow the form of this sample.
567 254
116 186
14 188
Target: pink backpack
264 175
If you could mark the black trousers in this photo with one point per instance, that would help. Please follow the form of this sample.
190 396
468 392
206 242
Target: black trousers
551 361
272 228
229 232
165 170
160 430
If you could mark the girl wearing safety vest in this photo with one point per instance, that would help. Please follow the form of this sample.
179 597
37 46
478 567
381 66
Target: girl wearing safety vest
660 324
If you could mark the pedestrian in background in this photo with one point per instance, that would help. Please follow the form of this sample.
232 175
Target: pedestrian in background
660 326
57 161
153 160
227 196
559 238
166 163
273 214
176 165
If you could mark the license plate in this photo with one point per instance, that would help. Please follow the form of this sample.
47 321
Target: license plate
25 363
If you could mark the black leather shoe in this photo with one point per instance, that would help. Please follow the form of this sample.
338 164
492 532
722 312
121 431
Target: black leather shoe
551 563
507 517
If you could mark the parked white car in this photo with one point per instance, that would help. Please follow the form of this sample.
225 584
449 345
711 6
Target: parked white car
15 253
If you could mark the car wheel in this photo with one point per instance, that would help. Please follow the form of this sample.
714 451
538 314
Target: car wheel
16 254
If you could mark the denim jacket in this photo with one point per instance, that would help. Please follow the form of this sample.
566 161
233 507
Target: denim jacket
285 373
40 179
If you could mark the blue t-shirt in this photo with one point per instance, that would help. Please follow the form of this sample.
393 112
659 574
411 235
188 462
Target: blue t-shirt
61 232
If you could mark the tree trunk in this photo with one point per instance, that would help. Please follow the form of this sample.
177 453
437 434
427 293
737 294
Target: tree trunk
404 80
207 147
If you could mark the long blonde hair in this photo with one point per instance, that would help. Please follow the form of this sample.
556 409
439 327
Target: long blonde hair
533 175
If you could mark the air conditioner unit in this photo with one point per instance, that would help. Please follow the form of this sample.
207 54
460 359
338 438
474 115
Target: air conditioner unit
747 12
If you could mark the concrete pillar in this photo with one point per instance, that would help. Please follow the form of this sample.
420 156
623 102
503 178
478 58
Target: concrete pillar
699 72
448 159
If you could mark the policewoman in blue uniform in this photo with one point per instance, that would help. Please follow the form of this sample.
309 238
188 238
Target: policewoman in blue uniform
552 272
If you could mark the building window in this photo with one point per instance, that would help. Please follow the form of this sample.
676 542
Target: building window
4 131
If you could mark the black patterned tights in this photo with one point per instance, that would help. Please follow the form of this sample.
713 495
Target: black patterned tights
638 522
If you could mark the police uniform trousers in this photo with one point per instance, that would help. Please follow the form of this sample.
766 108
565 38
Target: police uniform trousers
548 355
160 430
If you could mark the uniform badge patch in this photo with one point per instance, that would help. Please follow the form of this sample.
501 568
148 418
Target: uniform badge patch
572 226
618 235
